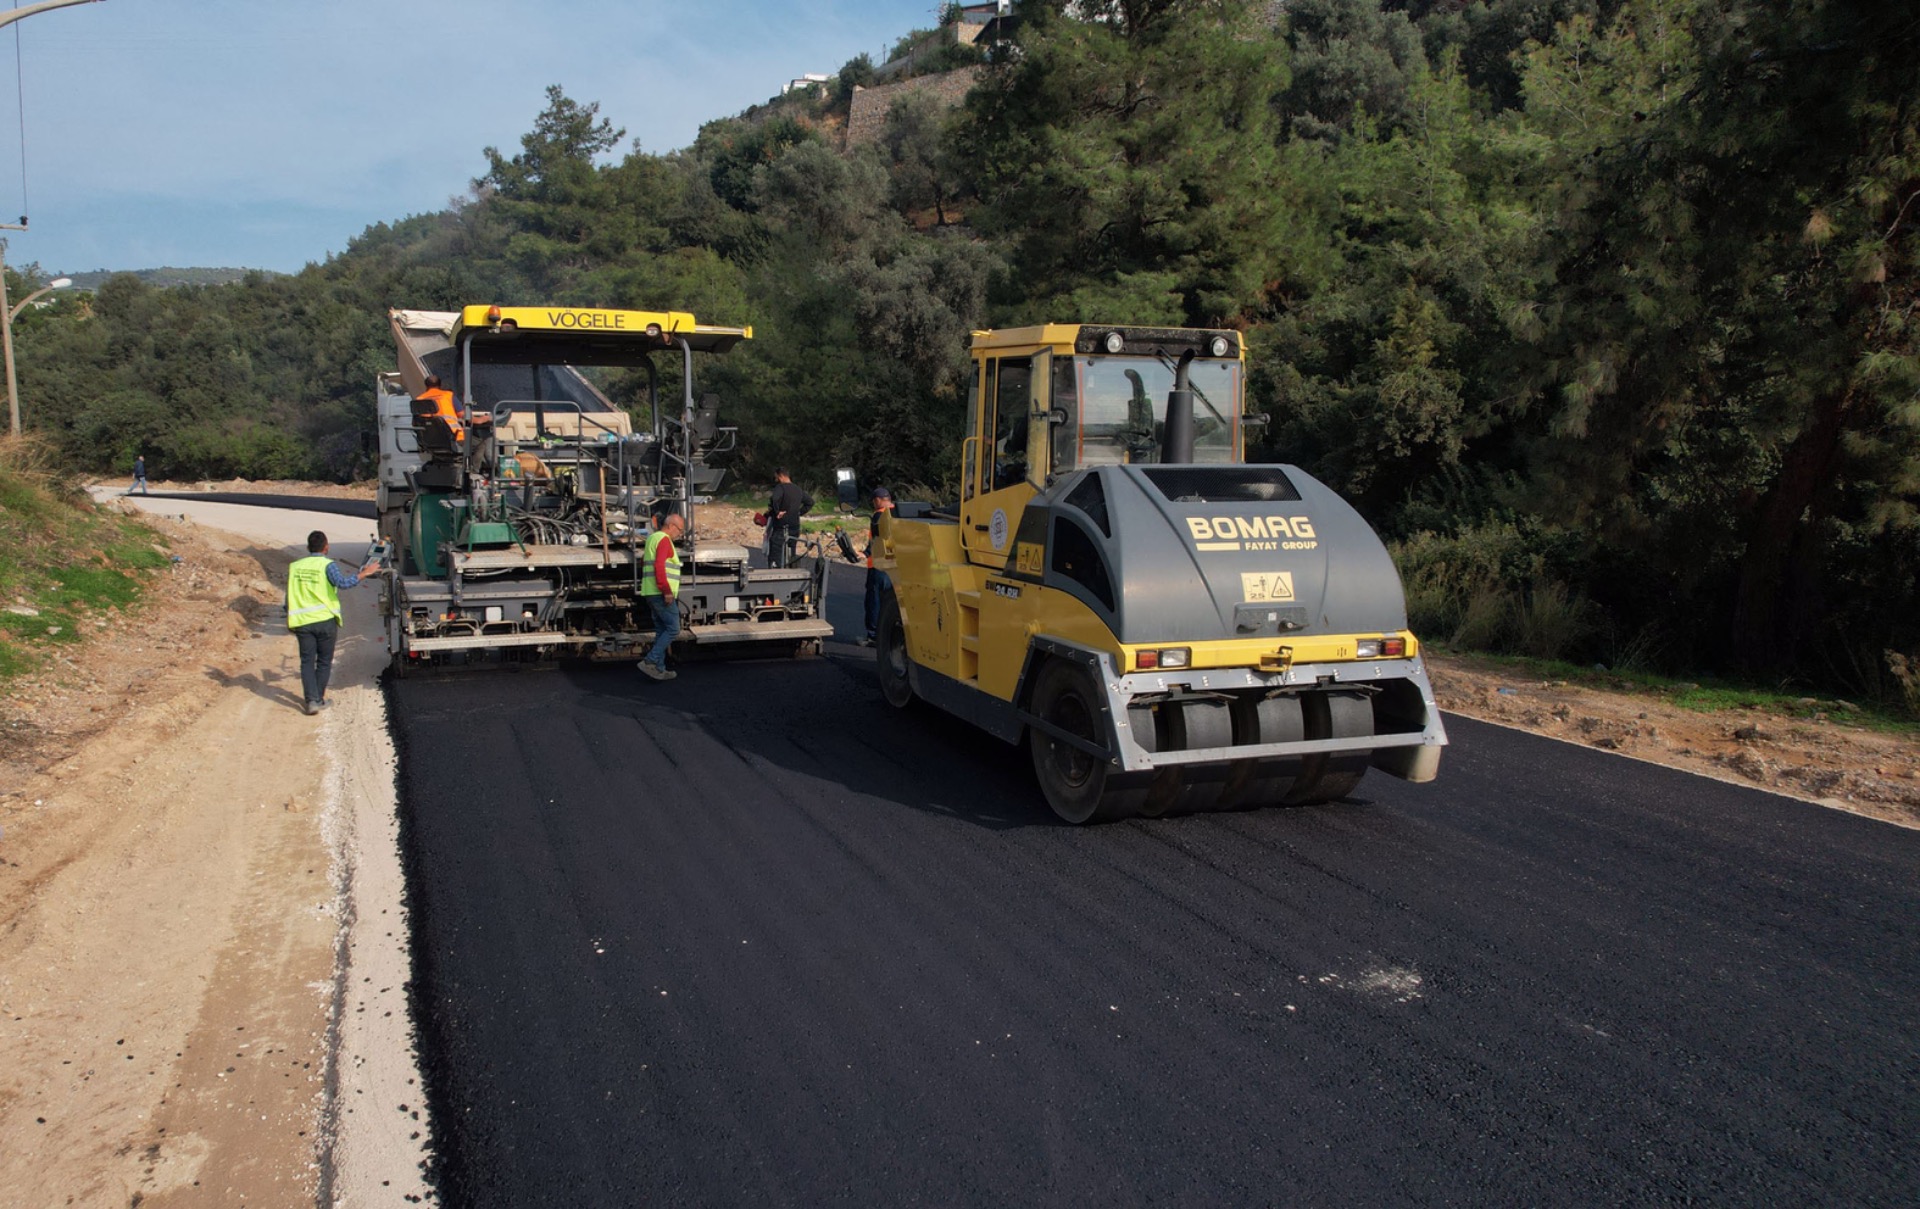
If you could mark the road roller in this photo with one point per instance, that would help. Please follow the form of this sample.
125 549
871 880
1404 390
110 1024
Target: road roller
1165 627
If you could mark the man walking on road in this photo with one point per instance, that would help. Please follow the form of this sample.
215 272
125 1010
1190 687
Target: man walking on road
785 507
876 580
139 475
313 615
661 590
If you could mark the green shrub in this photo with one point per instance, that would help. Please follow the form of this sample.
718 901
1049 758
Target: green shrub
1491 588
1551 622
1905 672
60 556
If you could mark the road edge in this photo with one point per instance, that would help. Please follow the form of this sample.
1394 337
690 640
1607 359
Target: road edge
375 1131
1825 803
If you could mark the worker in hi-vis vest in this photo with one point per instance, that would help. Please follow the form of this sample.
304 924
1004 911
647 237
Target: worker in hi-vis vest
660 587
437 400
313 615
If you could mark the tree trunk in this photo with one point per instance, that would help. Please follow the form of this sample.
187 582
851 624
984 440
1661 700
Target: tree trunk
1782 559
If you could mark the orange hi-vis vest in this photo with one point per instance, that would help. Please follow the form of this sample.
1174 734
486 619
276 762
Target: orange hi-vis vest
443 406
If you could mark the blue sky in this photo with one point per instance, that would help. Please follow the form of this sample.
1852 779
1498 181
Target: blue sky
266 133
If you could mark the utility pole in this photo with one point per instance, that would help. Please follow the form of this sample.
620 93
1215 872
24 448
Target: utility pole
6 317
6 331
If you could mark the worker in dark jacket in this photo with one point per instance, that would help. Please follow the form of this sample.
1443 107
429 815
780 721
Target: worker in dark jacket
876 579
313 615
785 507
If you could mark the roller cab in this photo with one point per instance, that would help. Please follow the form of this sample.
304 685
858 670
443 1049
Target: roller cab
1162 625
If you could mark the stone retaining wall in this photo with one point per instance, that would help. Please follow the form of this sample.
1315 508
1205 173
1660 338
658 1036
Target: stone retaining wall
868 114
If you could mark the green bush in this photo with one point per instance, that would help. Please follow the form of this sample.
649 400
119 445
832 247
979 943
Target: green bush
60 556
1495 588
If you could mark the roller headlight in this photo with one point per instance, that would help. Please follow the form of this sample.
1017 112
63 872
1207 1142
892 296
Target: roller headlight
1220 346
1115 342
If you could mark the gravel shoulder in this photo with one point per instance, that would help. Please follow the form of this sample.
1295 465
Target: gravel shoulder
202 943
1822 760
195 883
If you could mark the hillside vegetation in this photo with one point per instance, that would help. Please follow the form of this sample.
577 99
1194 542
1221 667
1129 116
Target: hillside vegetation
165 276
1603 310
65 566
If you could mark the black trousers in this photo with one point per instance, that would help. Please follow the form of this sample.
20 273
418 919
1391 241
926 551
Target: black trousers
316 656
780 541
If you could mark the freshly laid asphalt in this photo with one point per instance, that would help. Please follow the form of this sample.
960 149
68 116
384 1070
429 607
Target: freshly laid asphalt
750 937
363 509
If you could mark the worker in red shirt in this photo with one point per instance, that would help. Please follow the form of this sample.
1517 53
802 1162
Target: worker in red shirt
660 588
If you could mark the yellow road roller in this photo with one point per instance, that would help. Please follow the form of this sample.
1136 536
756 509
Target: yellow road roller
1164 626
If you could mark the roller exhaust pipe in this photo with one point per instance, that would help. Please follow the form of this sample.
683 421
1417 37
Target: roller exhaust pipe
1176 448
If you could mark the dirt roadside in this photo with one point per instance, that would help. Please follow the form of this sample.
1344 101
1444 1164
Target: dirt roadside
199 901
1822 759
186 982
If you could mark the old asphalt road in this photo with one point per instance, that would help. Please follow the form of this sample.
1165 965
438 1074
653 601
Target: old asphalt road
750 938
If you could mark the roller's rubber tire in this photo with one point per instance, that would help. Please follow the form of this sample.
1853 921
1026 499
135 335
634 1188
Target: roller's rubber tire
1162 789
1268 781
891 662
1185 726
1330 777
1080 787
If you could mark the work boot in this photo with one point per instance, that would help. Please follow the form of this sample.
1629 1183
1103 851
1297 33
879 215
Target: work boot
309 708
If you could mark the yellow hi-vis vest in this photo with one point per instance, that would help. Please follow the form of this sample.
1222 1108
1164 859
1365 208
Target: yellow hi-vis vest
311 597
649 586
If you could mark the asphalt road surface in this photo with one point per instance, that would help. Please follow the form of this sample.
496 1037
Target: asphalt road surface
750 937
362 509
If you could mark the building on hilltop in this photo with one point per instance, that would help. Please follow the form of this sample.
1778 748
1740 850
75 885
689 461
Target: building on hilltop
807 82
980 26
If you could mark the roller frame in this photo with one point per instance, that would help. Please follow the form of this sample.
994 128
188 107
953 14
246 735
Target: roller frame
1120 690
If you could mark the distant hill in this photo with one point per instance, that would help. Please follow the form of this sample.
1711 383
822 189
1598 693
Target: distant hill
168 276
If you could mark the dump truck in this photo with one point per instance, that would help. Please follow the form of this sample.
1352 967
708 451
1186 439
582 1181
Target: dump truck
1163 625
516 513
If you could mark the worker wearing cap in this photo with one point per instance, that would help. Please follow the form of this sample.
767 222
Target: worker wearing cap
661 590
313 615
876 579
